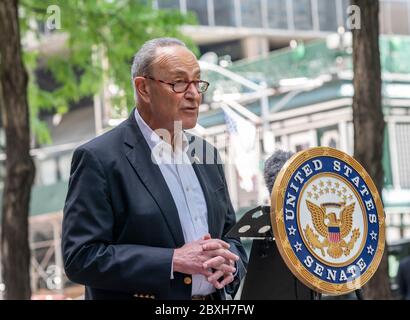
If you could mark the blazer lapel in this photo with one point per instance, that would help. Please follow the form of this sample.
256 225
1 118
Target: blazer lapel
139 156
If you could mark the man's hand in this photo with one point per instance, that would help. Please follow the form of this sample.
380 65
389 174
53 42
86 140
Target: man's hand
223 269
199 256
222 272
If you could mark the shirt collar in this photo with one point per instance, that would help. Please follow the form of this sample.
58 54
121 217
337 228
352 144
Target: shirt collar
153 139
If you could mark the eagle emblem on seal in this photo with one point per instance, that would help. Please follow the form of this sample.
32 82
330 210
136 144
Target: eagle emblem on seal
331 229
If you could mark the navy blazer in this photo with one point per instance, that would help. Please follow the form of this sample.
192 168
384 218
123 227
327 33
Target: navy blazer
121 225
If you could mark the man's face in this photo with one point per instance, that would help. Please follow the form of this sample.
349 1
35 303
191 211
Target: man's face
173 64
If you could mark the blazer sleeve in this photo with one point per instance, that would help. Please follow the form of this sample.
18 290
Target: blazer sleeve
236 245
90 255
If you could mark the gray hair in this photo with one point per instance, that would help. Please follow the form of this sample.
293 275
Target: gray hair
141 65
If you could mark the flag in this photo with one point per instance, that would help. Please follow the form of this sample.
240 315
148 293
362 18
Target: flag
334 234
242 137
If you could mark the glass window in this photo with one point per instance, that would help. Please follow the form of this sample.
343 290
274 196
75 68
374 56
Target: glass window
251 13
301 141
224 13
385 25
302 14
330 138
199 7
327 15
168 4
345 5
48 171
399 17
403 153
65 166
277 14
231 48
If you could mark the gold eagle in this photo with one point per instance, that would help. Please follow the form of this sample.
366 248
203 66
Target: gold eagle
343 226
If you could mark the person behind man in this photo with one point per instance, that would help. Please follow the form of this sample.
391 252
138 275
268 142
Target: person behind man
403 278
144 216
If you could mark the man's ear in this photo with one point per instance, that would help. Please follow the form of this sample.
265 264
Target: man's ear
142 89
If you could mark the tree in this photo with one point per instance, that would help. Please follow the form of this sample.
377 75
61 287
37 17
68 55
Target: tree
94 30
20 169
368 117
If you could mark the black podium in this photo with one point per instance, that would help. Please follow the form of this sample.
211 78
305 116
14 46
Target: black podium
267 277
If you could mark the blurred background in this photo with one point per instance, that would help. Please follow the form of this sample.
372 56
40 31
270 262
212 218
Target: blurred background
282 69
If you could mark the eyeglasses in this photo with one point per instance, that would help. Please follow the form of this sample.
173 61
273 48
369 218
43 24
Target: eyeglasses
182 86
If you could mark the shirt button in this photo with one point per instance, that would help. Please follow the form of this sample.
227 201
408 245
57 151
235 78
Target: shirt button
187 189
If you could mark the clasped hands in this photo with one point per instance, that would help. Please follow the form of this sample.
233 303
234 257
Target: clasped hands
209 257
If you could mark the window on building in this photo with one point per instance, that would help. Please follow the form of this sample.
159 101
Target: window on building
345 5
277 14
403 153
384 17
327 15
251 13
231 48
65 166
47 172
388 177
200 9
302 141
302 14
168 4
330 138
399 17
224 13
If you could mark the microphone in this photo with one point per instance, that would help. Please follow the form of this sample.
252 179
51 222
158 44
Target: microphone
273 165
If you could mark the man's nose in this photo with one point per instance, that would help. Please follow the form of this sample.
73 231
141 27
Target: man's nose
192 91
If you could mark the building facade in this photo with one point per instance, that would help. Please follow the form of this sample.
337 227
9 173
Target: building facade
250 28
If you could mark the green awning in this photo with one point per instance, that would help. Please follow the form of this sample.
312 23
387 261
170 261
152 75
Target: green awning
45 199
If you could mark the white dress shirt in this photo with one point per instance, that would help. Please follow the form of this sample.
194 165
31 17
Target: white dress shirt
185 189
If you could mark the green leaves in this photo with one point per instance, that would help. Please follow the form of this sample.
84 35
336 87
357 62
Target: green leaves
102 37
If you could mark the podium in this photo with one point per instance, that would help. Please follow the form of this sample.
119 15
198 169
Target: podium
267 277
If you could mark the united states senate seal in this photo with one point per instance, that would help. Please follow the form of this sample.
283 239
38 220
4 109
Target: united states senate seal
328 220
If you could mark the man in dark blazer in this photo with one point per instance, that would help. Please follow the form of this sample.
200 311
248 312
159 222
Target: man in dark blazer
148 209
